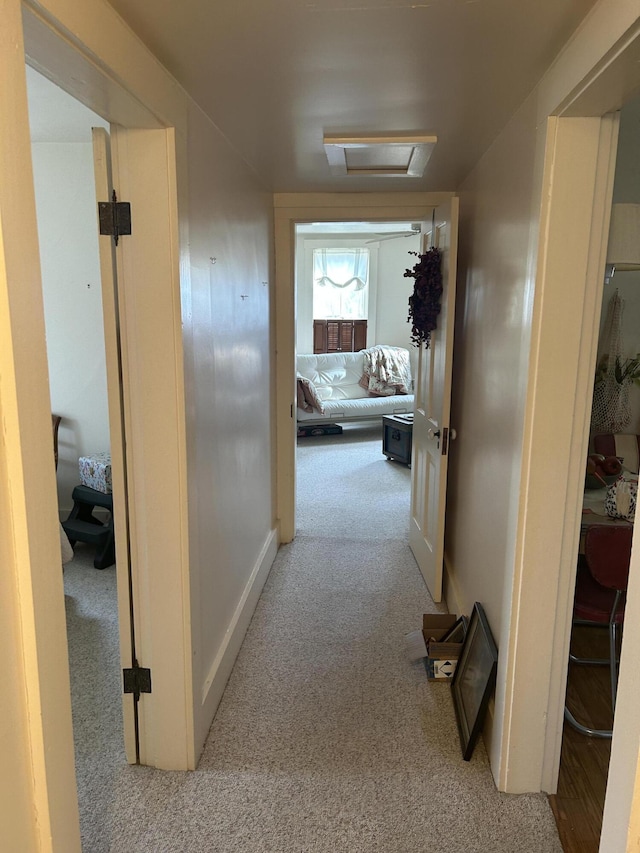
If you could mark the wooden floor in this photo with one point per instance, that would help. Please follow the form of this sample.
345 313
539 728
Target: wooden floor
584 764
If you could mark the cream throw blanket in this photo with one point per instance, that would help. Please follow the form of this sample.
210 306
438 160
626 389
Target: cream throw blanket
386 371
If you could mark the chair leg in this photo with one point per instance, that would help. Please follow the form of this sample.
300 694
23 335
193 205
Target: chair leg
589 661
613 670
613 651
599 733
584 623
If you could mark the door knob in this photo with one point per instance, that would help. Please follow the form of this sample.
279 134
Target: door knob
433 434
452 435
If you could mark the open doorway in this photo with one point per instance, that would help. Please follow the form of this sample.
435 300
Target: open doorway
63 168
397 209
351 295
145 169
348 380
584 763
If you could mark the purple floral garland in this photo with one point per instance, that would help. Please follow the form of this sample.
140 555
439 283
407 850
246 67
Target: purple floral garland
424 304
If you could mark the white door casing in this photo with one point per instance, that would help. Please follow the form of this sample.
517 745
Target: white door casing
148 147
105 65
432 434
38 801
290 208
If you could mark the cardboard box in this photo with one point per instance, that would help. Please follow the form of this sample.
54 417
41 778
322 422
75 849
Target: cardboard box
442 658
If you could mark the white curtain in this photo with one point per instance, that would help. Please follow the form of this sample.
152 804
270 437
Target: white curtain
340 283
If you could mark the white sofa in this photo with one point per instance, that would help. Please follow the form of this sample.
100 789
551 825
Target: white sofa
335 378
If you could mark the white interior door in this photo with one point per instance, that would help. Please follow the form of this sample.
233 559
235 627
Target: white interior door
109 282
432 434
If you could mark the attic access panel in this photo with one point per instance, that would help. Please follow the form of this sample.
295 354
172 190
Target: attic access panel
386 156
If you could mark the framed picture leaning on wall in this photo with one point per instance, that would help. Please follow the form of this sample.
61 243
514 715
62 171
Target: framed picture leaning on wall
474 679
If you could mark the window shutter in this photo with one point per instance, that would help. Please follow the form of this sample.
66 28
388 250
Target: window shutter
339 335
346 336
319 336
359 335
333 336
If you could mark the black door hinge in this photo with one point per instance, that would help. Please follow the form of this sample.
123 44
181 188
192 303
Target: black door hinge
114 217
137 680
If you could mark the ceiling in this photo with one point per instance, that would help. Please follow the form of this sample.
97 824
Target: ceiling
277 75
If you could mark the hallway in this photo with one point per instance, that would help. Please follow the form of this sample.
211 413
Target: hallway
327 738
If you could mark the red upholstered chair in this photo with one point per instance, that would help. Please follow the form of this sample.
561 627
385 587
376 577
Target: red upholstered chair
599 601
627 446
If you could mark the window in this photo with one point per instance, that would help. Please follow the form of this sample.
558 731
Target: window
340 284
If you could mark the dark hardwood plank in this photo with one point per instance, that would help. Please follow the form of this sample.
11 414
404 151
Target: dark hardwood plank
584 764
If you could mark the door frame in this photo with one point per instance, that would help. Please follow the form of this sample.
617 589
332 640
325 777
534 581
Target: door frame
577 185
289 209
147 148
37 784
97 60
579 133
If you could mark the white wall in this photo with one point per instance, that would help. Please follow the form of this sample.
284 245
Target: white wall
304 291
228 376
394 291
495 289
67 231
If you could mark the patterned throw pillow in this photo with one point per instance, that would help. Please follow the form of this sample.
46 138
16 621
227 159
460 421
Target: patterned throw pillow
620 501
307 395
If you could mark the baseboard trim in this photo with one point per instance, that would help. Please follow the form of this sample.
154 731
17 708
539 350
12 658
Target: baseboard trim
220 670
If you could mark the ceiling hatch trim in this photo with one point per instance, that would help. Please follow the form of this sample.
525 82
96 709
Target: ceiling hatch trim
394 156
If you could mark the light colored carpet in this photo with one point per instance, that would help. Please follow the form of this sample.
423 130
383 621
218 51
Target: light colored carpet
328 738
92 632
